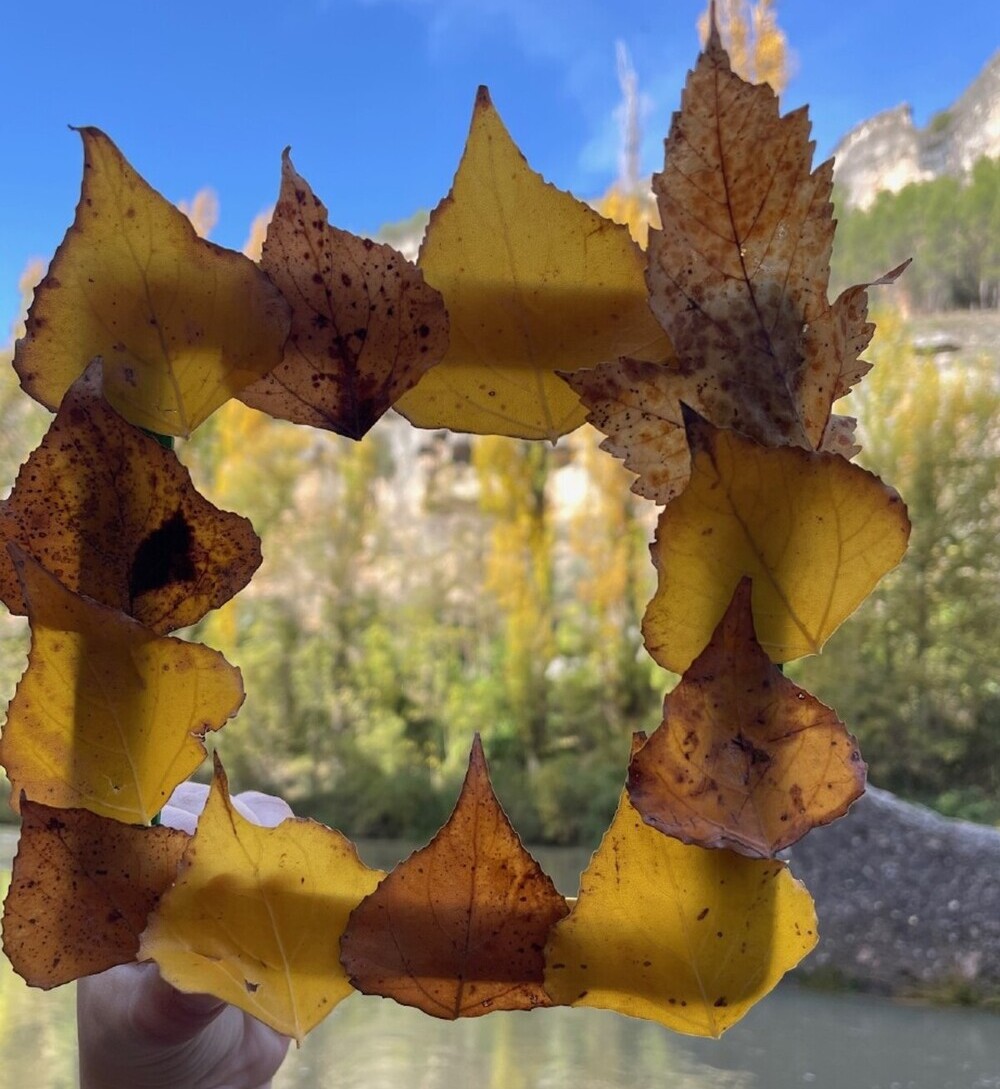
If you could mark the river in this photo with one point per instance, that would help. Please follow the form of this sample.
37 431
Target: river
795 1038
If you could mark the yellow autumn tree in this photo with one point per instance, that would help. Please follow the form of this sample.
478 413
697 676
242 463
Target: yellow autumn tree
514 478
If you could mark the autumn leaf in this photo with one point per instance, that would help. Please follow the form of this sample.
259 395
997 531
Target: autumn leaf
534 281
81 890
181 324
677 934
738 278
115 516
832 346
365 326
256 915
744 759
815 533
458 929
108 715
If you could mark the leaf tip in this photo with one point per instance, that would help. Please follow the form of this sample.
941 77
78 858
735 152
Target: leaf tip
483 100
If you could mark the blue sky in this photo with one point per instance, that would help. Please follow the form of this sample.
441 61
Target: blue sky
374 96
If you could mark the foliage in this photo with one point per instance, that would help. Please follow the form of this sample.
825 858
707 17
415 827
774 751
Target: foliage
950 228
738 336
910 674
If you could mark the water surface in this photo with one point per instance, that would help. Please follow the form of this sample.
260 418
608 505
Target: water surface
794 1038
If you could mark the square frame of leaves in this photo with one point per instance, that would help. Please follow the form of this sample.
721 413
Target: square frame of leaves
711 362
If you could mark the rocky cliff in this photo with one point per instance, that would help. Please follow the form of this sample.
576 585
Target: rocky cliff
908 901
888 151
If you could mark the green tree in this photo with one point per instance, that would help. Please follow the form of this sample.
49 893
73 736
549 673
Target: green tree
916 675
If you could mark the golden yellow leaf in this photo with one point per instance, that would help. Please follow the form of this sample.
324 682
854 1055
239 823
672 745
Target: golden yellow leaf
534 281
365 325
81 890
108 715
677 934
815 533
114 516
181 324
256 915
458 929
744 758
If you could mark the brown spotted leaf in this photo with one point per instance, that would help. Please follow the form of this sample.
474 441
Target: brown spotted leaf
81 890
459 928
182 324
738 278
365 325
744 759
108 715
114 516
833 344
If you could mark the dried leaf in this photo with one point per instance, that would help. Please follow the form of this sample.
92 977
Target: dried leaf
365 326
677 934
458 929
744 759
832 345
534 281
115 516
182 324
815 533
742 261
638 406
738 277
81 890
108 715
256 914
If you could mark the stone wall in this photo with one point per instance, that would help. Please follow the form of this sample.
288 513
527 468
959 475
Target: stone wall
907 900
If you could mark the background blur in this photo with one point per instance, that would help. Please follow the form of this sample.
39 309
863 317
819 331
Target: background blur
419 586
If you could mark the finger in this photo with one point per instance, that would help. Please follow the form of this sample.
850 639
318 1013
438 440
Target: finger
163 1015
264 809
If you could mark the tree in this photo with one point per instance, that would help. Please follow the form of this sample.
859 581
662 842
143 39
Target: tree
916 674
757 46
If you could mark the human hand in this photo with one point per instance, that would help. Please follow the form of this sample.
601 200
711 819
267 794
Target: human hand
137 1032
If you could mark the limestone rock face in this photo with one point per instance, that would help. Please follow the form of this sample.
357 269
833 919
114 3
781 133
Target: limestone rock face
907 899
888 151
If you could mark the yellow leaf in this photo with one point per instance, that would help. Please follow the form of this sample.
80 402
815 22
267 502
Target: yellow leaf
534 281
256 915
182 324
677 934
815 533
108 716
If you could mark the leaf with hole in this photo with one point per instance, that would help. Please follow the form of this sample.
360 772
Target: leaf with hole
114 516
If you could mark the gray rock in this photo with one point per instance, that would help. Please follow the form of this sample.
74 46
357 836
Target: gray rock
907 900
888 151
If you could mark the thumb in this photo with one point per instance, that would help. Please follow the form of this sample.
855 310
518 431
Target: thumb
163 1015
